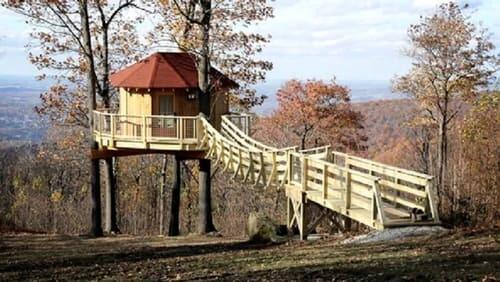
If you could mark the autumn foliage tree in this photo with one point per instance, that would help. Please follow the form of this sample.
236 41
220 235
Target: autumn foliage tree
452 63
314 113
479 166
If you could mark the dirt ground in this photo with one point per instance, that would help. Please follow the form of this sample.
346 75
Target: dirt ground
466 256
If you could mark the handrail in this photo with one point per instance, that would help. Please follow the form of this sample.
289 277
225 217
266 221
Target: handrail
245 136
402 170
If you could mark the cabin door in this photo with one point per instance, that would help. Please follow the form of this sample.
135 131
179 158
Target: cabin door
165 123
167 105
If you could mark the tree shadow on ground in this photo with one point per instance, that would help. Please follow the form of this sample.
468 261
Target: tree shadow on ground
420 268
122 255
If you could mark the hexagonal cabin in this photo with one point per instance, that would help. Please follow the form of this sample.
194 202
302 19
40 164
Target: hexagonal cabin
159 102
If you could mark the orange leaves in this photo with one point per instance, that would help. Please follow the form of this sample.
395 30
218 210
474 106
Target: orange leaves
315 112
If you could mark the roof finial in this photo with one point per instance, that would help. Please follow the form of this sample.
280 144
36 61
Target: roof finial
165 45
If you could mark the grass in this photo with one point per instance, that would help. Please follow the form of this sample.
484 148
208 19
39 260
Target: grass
455 255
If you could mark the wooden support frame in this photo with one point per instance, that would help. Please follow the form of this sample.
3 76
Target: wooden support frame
296 214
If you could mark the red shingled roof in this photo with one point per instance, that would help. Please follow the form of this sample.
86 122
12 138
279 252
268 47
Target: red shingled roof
165 70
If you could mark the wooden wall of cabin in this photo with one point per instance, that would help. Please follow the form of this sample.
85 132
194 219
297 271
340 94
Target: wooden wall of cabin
134 104
143 102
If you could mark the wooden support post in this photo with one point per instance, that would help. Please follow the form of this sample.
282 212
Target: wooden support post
173 226
95 194
251 170
304 173
347 180
325 182
289 213
378 205
347 189
302 215
296 214
261 177
181 130
272 177
238 170
229 160
113 127
163 185
289 164
144 130
431 198
205 199
111 225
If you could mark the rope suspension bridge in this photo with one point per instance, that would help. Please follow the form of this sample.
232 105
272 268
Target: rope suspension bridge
371 193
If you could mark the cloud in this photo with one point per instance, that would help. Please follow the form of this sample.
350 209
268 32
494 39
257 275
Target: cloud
332 31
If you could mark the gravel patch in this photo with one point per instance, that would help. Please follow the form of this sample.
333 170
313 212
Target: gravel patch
394 234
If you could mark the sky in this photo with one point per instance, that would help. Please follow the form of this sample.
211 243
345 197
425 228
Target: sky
346 39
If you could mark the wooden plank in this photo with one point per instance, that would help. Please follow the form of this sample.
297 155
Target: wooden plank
405 202
403 188
361 202
362 190
389 172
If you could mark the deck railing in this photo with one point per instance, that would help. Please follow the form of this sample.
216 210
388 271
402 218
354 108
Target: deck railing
146 128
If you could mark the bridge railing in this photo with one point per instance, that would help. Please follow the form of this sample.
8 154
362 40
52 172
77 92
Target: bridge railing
345 189
241 120
401 188
145 127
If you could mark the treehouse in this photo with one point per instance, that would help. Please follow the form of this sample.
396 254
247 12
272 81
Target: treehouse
158 112
159 105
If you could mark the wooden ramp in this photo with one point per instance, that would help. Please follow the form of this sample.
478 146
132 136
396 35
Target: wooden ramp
371 193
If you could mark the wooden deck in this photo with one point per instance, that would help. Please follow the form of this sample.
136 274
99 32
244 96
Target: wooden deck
371 193
169 133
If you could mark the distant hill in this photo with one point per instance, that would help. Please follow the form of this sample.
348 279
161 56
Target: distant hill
361 91
18 96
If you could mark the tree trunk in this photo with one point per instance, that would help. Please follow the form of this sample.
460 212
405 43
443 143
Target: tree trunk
206 224
205 205
162 193
111 221
173 228
95 189
441 158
